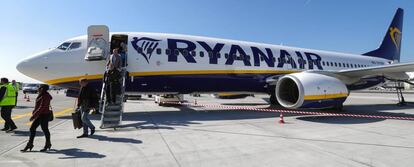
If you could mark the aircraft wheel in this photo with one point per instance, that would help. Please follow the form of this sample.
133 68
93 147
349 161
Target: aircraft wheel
273 100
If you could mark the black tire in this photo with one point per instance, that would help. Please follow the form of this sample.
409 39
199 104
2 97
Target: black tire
339 107
273 100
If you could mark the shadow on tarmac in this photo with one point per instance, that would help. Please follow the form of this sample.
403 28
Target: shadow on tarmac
27 133
339 120
75 153
114 139
23 107
188 116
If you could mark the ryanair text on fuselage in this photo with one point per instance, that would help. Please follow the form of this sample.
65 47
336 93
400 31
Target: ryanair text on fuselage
236 53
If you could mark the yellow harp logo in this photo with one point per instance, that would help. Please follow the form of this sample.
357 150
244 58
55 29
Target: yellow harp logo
395 34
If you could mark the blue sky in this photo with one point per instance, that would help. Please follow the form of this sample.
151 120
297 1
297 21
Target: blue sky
351 26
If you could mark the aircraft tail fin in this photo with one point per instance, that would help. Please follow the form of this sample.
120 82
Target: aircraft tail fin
391 45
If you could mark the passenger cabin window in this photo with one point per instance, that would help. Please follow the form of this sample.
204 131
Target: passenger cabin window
159 51
185 52
210 54
201 54
64 46
176 52
75 45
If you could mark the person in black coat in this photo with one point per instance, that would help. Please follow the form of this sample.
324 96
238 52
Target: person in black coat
86 101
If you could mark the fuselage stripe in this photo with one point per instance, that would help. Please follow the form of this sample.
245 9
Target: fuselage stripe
189 72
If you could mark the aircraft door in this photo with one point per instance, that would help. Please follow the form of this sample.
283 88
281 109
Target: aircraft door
98 43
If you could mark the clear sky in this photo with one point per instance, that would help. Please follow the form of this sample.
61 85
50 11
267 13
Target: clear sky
351 26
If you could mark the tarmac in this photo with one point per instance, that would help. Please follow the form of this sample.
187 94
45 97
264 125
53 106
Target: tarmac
187 136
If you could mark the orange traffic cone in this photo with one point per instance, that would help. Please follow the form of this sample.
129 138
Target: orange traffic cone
281 121
28 99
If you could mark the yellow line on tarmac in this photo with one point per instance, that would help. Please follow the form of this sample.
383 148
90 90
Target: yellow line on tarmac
19 116
57 114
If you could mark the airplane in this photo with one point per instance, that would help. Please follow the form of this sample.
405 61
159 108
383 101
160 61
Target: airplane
159 63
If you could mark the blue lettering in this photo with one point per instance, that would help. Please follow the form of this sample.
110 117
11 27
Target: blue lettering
313 59
217 48
173 45
257 53
285 58
233 55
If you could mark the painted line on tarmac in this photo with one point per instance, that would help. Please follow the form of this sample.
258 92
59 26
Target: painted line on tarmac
56 114
19 116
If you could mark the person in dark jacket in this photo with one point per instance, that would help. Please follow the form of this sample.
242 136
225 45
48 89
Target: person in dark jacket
7 103
41 116
114 68
86 101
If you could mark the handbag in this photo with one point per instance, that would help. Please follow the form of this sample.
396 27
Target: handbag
51 116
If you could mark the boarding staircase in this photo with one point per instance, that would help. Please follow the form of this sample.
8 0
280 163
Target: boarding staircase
112 112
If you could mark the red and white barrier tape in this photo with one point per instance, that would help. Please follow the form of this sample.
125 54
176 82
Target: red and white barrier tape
292 111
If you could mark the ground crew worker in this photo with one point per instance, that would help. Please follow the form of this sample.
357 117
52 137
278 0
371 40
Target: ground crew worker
7 102
16 86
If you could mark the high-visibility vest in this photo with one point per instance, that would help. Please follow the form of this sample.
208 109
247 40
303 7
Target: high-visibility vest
9 98
16 86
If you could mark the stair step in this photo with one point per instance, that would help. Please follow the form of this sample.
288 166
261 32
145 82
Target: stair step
113 108
111 119
112 114
110 122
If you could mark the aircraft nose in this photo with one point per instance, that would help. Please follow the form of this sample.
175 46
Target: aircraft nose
32 66
24 67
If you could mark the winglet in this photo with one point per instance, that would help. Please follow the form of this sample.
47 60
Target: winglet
391 45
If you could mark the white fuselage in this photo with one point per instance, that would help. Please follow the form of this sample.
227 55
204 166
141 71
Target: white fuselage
189 56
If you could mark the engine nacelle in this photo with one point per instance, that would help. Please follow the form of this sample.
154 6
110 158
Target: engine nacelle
310 90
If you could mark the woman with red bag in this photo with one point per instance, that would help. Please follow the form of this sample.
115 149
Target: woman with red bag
41 116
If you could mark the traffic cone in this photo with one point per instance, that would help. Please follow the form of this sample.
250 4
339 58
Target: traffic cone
28 99
281 121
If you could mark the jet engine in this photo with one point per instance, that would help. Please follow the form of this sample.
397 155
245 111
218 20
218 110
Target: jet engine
310 90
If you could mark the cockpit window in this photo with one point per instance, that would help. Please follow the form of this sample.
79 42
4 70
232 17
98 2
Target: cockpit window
64 46
75 45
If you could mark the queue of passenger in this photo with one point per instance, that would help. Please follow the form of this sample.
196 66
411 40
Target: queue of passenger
43 114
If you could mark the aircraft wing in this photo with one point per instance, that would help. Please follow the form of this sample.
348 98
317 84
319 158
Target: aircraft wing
394 71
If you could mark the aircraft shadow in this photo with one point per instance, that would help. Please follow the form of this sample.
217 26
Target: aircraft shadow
244 104
188 116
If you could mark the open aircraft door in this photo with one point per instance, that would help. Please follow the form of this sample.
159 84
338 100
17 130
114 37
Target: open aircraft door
98 43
